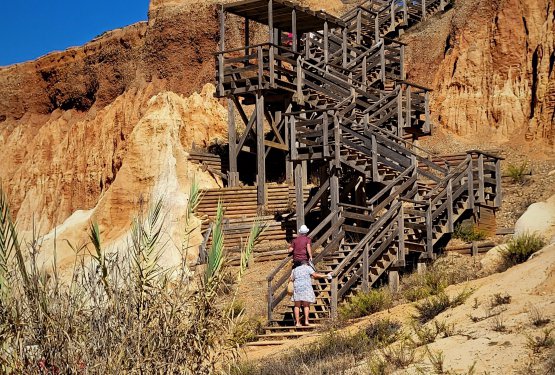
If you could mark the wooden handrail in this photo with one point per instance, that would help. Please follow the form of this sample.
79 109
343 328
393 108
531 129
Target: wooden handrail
375 228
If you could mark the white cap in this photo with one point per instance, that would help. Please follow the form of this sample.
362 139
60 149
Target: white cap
303 229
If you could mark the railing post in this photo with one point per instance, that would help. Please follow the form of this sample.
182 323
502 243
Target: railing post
470 174
481 187
270 300
408 122
364 74
498 191
429 230
405 13
401 229
326 46
428 123
325 136
365 266
333 305
260 66
450 206
400 119
359 25
344 47
402 58
392 11
271 62
293 137
375 173
382 62
221 74
299 94
376 30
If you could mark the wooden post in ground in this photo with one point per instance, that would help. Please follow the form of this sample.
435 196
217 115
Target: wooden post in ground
260 152
233 174
393 280
421 267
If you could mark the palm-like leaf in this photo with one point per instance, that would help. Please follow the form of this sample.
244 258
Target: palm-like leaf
216 254
9 244
246 252
99 256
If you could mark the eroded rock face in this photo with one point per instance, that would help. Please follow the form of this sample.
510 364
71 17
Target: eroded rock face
491 66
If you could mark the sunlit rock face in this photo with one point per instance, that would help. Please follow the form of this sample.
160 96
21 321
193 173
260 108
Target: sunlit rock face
490 64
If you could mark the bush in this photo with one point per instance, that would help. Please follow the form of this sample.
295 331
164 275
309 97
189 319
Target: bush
430 283
433 306
363 304
468 233
517 172
519 248
538 343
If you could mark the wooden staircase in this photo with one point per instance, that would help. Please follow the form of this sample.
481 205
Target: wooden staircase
340 98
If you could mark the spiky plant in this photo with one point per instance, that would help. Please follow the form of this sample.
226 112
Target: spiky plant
9 245
192 204
246 252
99 255
146 250
216 253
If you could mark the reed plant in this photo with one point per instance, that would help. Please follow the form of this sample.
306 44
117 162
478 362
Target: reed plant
119 311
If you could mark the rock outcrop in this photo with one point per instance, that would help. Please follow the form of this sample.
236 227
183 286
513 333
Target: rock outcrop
490 64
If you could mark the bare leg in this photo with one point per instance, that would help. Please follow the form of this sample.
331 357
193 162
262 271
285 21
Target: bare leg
306 308
296 311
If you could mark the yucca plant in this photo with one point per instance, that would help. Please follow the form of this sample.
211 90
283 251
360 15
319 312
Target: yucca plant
99 255
194 200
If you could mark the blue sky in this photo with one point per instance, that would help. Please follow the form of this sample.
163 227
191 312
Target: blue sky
32 28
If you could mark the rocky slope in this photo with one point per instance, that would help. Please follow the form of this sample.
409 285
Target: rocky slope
88 132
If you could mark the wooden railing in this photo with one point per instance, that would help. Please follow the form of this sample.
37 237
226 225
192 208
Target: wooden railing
345 275
461 183
329 232
262 63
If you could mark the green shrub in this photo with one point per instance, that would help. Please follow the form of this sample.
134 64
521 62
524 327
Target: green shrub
430 283
517 172
363 304
519 248
468 232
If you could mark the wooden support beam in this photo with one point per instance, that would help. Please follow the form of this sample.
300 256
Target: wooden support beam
423 10
326 41
222 29
344 46
260 151
247 37
299 193
271 20
294 41
233 176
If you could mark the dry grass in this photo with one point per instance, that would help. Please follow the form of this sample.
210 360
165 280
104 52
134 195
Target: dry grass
334 353
120 312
